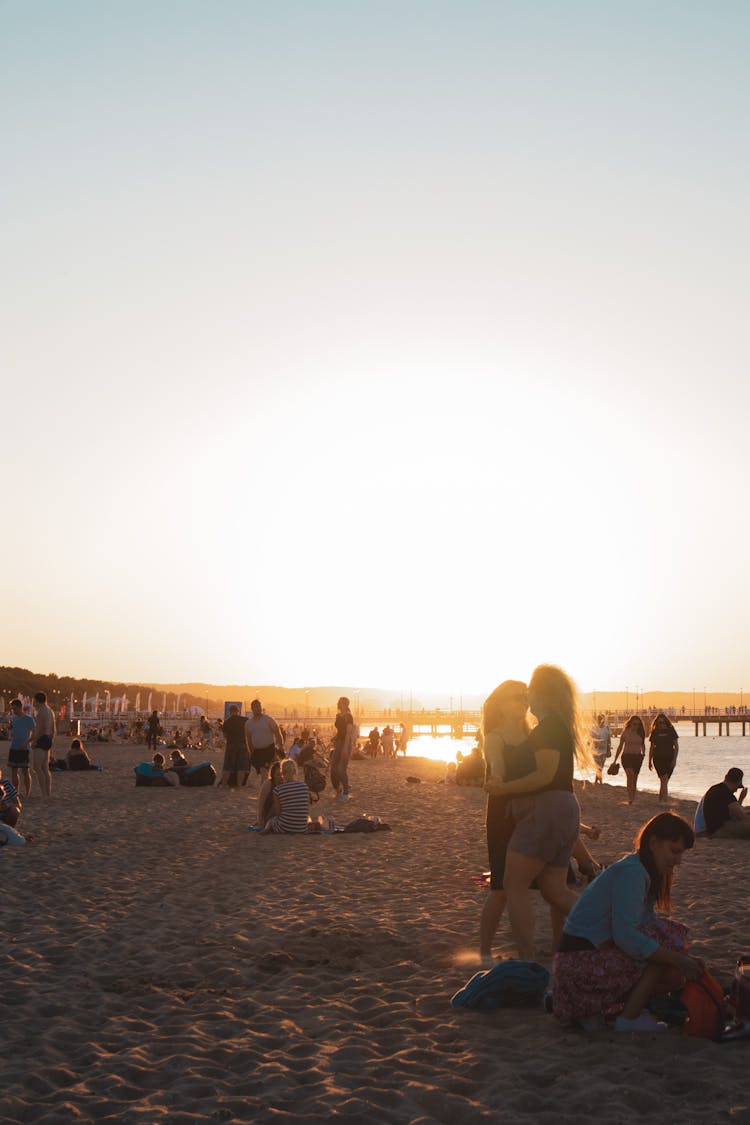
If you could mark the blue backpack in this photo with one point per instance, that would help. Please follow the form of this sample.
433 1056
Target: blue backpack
508 984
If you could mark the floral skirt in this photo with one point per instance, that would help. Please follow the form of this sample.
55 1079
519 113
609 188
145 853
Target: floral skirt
593 982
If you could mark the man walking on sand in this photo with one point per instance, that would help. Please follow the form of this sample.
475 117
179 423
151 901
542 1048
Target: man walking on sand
264 739
44 737
19 754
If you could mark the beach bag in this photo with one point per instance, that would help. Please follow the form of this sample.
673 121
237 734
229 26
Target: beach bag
203 774
367 824
706 1007
508 984
314 779
614 769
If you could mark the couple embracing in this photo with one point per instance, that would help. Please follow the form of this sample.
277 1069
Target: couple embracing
533 817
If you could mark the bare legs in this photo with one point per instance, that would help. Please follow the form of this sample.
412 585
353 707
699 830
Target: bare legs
664 790
17 775
631 781
41 769
656 979
520 872
492 912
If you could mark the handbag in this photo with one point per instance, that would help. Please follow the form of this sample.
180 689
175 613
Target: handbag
614 769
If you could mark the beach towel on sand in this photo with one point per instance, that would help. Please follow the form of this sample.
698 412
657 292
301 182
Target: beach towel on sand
508 984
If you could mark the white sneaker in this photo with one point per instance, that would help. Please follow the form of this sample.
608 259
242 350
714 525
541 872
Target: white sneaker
644 1022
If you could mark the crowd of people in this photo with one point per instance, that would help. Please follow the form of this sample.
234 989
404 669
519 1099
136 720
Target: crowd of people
615 946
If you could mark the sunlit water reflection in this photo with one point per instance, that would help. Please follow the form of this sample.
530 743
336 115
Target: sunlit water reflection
701 761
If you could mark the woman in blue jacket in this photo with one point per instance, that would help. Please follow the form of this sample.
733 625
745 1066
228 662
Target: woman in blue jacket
615 953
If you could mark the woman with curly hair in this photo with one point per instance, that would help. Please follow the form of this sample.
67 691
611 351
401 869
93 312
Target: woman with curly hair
544 807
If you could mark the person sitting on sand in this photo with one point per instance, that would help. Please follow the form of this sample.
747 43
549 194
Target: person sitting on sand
10 803
723 814
291 803
470 768
161 766
614 952
178 762
77 758
265 795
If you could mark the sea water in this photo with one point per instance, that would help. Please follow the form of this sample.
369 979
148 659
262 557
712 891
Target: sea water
701 761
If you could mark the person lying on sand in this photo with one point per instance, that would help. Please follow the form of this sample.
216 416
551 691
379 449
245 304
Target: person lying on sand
614 952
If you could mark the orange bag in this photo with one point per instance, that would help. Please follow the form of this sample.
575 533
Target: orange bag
706 1007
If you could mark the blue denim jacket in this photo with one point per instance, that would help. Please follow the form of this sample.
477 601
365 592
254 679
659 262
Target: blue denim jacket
613 907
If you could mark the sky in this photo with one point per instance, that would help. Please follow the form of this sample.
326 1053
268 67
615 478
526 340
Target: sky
397 344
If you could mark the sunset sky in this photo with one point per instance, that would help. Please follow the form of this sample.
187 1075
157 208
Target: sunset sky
382 343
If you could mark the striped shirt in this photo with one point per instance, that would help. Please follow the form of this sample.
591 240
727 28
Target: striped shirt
8 792
294 798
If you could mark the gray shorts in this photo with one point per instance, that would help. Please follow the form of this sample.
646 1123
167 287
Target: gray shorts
547 826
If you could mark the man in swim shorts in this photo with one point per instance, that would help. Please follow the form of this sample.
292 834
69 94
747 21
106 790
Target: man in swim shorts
263 738
44 737
21 733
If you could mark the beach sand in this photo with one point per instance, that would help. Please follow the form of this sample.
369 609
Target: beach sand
162 964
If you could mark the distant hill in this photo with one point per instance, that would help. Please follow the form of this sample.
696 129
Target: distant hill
21 681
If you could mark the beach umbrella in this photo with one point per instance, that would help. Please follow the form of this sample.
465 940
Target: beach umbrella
107 699
148 705
96 704
177 704
83 705
164 703
138 703
125 703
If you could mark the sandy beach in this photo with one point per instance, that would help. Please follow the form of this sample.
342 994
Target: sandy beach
162 964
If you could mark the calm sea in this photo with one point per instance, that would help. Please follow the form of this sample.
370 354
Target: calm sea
701 761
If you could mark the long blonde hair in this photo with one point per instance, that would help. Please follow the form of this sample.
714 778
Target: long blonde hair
558 693
495 717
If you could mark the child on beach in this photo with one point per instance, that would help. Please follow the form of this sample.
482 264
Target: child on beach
615 954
